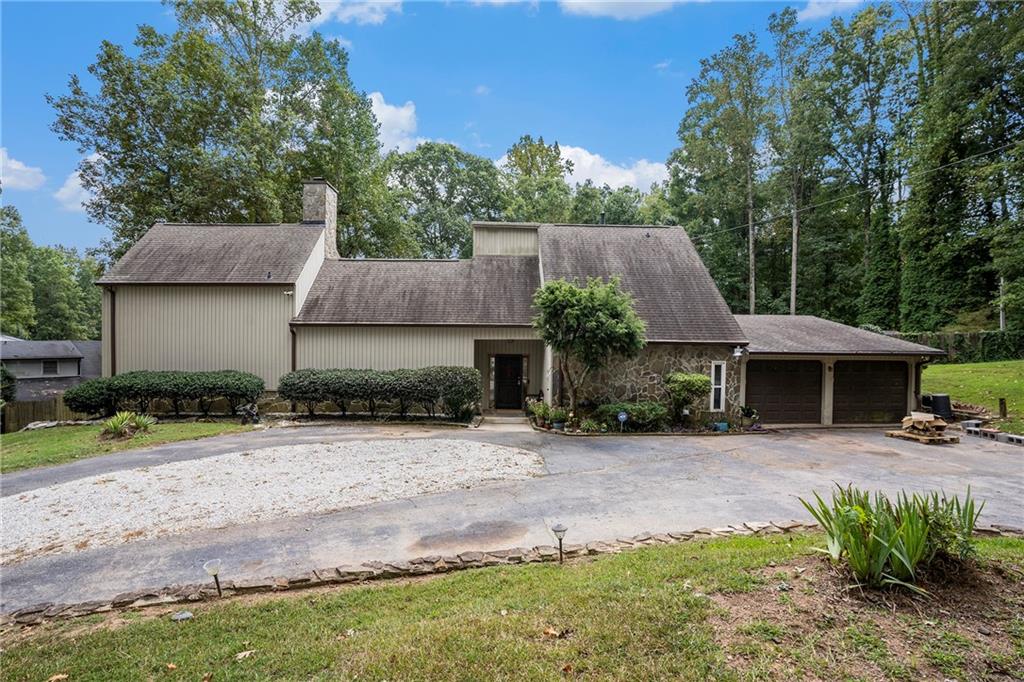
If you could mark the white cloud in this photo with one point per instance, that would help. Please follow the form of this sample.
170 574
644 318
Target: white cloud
622 10
16 175
590 166
819 9
482 90
71 195
356 11
397 123
664 64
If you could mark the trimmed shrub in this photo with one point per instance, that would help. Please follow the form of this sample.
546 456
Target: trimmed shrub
640 416
8 384
102 396
686 390
92 397
456 390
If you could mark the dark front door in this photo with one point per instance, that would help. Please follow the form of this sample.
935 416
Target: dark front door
508 382
785 391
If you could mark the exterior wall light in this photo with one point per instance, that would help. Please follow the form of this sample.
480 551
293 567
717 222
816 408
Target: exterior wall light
212 567
559 531
738 352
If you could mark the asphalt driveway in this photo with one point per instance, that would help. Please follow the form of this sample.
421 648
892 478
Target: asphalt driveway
599 487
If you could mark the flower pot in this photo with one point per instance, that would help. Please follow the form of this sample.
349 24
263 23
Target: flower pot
747 422
559 426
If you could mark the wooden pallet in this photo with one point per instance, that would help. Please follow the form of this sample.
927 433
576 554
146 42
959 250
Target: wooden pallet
922 438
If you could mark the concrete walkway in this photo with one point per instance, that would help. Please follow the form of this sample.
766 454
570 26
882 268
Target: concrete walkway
599 487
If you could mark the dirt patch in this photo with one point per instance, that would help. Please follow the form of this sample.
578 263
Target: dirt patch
805 621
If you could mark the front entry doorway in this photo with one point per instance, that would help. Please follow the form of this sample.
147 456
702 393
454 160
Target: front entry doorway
508 382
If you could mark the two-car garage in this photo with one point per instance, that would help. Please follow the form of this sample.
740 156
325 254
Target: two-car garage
793 391
806 370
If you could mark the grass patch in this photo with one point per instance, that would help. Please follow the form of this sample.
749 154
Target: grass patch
43 447
982 383
692 611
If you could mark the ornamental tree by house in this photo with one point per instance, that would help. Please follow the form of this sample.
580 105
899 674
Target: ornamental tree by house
587 327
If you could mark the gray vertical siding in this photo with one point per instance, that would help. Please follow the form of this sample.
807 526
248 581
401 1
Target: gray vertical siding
198 328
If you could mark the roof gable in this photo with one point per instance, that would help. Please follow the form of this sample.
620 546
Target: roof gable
674 292
171 253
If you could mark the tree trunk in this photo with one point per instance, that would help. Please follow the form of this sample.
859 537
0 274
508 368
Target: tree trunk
792 267
750 237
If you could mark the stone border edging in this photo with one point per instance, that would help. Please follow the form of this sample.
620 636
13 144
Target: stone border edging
420 566
762 432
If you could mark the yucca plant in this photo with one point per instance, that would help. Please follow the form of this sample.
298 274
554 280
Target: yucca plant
120 425
142 422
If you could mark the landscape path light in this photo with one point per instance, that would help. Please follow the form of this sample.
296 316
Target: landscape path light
212 567
559 531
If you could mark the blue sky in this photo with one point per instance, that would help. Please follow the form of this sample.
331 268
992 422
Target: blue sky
605 79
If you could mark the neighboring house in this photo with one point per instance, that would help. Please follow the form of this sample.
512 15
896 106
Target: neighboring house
44 369
272 298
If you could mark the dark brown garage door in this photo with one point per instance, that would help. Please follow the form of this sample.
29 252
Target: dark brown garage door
869 391
785 391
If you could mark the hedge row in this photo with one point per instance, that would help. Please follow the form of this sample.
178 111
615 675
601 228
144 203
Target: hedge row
972 346
139 389
453 390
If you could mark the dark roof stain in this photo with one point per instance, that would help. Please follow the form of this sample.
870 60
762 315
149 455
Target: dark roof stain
816 336
674 292
173 253
485 290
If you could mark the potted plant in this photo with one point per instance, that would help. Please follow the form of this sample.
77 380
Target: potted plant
540 412
748 416
558 416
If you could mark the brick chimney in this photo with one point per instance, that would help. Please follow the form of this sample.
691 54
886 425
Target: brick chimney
320 205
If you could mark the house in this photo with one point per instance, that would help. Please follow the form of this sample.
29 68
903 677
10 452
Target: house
45 369
269 299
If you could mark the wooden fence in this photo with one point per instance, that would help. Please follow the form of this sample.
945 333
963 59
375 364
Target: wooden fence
23 412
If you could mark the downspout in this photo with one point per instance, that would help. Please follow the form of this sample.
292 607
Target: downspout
294 361
113 331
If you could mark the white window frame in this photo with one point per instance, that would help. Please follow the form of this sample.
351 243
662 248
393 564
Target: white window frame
721 394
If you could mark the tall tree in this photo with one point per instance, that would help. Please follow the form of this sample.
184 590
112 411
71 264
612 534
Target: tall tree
865 62
219 121
798 136
443 189
723 135
535 178
56 295
17 309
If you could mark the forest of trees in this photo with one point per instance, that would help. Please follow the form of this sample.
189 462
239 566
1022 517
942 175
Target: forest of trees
877 164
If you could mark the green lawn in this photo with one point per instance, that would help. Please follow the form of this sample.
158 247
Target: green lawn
25 449
982 383
714 610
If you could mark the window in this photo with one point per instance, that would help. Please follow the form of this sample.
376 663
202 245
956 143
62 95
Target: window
51 367
717 386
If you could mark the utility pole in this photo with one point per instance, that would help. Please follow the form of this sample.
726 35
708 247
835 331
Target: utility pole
1002 305
792 267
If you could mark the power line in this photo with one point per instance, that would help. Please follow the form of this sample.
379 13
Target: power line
763 221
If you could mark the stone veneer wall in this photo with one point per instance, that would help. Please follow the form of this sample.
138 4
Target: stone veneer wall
640 378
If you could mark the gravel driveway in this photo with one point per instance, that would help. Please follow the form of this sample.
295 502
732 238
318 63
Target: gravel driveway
246 487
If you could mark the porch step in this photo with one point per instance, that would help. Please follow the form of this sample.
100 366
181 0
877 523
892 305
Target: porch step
505 419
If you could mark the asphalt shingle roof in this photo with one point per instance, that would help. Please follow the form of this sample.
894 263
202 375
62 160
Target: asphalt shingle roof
171 253
486 290
815 336
674 292
39 350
